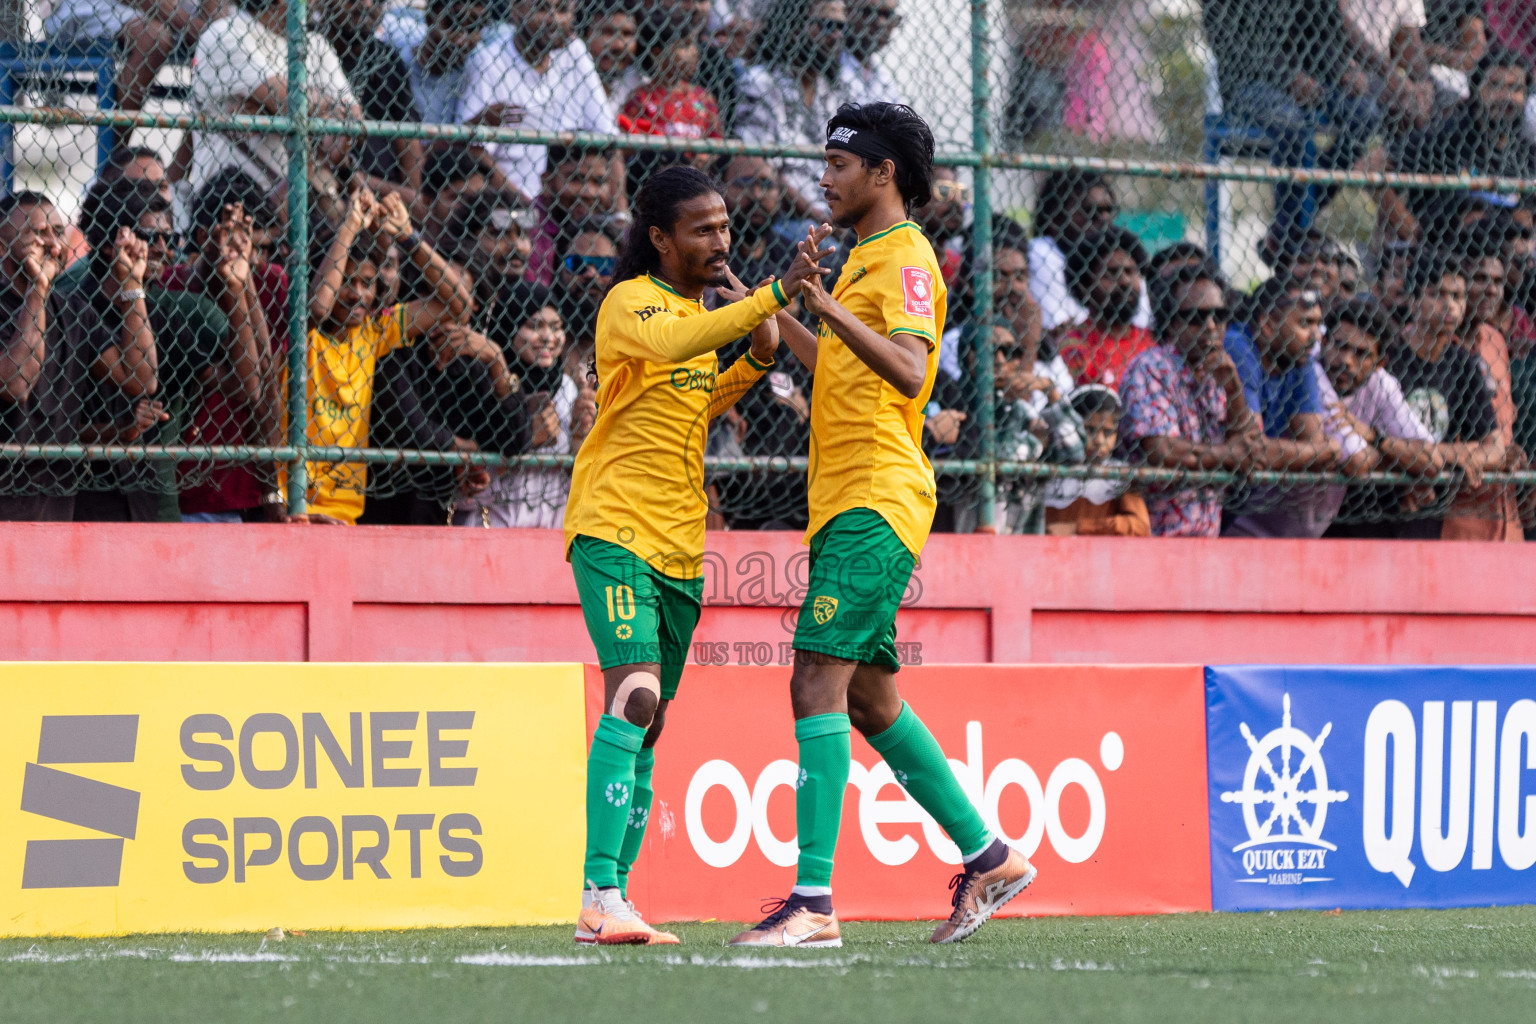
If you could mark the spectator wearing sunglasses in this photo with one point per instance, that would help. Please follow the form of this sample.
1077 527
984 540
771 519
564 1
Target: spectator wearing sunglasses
871 23
577 192
1272 351
1183 403
145 387
760 240
487 236
586 271
134 163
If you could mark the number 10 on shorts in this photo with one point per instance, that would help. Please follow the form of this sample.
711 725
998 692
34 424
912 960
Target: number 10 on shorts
621 599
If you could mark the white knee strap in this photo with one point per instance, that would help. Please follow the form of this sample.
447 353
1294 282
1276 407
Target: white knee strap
634 681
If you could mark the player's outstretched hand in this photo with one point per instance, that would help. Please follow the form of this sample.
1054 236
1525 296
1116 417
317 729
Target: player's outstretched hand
735 291
807 264
815 296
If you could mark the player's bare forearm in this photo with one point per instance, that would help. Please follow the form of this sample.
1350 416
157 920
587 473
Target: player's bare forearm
799 339
900 360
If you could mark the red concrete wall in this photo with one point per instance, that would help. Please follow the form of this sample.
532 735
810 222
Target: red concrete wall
434 594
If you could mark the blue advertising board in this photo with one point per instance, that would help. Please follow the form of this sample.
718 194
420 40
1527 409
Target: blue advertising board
1362 787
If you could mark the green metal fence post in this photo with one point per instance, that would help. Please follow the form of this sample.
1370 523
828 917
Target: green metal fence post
981 268
298 258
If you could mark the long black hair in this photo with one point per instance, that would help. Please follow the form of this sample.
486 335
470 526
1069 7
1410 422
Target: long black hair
655 206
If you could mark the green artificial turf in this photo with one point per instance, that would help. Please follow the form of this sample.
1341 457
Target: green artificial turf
1300 968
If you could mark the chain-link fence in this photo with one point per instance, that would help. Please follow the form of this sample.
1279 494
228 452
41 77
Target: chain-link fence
1257 267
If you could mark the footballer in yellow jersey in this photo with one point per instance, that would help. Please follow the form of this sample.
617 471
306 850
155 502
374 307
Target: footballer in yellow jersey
871 496
634 523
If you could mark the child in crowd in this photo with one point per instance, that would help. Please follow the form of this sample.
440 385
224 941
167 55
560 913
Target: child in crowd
349 335
1034 422
1097 507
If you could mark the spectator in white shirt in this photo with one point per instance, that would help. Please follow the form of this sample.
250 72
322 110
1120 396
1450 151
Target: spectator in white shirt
543 79
871 23
1367 414
242 68
800 80
1384 39
146 32
1071 203
436 52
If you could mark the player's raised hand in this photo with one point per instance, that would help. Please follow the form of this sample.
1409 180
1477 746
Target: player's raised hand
807 265
735 291
816 297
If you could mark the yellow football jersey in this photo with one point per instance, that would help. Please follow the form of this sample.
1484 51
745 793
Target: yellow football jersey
341 373
639 477
866 437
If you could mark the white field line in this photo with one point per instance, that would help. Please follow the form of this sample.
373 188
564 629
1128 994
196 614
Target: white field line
502 958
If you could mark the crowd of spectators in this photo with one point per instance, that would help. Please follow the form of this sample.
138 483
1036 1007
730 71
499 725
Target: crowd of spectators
454 288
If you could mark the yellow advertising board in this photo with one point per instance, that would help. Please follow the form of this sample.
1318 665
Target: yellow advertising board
227 797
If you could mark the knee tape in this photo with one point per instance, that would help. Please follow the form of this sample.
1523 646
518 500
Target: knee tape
632 684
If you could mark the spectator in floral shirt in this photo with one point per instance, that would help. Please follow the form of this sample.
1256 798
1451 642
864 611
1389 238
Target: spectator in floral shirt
1183 403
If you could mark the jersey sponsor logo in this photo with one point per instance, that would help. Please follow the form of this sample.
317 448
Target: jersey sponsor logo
646 312
823 608
685 379
917 291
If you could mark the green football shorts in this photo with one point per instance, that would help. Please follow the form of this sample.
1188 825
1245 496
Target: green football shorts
859 572
634 613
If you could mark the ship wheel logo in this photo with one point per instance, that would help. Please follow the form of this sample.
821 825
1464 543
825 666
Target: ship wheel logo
1291 764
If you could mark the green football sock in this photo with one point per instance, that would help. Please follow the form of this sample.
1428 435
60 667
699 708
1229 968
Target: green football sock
919 765
610 790
824 756
639 816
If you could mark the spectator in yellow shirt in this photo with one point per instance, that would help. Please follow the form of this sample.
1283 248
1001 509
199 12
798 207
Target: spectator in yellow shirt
349 334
